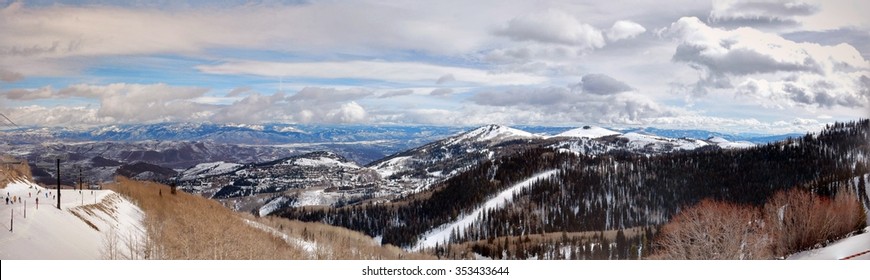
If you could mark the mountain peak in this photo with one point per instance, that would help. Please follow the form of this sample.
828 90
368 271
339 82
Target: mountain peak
588 132
492 133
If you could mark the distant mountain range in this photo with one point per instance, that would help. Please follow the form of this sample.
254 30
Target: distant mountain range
275 134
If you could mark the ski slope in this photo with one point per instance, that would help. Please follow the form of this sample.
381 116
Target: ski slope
442 233
79 230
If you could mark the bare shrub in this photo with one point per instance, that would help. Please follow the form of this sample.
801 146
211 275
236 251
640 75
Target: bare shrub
713 230
798 220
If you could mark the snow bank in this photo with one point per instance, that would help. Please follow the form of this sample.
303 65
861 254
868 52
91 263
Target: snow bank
843 248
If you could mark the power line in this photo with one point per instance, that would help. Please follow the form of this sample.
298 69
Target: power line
8 120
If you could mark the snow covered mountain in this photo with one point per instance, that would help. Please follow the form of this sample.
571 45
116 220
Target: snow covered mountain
591 140
491 134
442 158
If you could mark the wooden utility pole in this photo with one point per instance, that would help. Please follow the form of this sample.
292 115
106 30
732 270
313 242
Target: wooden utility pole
58 184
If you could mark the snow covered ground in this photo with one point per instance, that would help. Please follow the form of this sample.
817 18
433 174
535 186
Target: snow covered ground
309 247
658 143
209 169
78 230
323 161
841 249
588 132
442 233
726 144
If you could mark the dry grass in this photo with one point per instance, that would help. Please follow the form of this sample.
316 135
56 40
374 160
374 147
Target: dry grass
186 226
10 172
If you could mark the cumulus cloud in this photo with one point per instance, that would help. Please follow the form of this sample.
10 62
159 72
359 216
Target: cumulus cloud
555 27
811 90
56 116
624 29
311 104
350 112
149 103
602 84
807 73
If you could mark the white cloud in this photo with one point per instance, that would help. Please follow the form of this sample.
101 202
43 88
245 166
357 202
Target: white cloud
149 103
569 105
28 94
350 112
56 116
806 73
624 29
407 72
555 27
803 90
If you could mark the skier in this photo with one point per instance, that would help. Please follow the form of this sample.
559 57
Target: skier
7 200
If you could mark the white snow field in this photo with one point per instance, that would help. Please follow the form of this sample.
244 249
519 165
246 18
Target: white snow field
442 233
851 247
79 230
588 132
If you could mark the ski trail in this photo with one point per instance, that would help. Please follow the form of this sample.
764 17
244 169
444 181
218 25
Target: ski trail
442 233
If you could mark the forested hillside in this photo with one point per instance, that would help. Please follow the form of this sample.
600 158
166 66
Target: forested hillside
614 191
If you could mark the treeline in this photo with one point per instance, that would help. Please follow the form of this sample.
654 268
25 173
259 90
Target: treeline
629 244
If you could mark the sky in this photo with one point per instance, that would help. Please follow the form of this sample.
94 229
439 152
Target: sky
731 66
